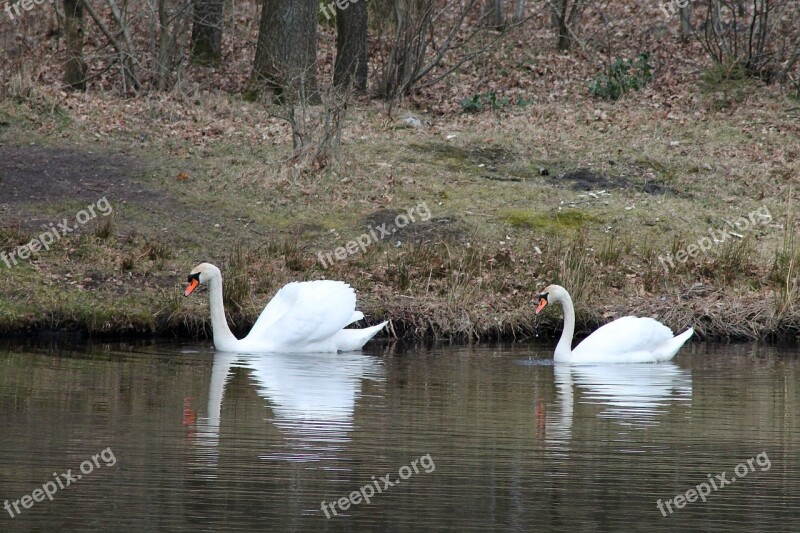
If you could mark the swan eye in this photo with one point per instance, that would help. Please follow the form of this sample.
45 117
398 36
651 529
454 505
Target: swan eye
195 276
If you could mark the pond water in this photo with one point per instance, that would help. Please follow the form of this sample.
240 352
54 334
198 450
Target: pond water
176 437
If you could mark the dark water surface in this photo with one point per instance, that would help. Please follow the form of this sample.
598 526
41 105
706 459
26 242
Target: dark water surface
175 437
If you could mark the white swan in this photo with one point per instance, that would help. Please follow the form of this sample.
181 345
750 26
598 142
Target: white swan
307 316
628 339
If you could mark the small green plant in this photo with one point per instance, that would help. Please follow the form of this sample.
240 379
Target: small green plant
478 102
156 250
128 262
727 82
105 229
622 76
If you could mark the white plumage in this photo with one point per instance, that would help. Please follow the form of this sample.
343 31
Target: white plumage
628 339
307 316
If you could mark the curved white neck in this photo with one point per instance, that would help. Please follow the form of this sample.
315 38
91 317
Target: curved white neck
564 346
223 338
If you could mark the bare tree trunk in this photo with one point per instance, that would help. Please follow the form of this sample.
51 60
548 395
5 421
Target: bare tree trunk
351 47
559 11
207 31
286 53
519 10
180 42
740 6
162 62
686 21
496 11
75 68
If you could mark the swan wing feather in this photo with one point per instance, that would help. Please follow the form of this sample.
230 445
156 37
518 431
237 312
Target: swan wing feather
626 335
275 309
306 312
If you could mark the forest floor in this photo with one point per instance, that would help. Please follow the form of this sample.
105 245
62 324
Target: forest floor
664 203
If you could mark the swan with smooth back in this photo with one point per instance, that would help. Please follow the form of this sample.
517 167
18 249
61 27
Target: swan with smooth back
308 316
628 339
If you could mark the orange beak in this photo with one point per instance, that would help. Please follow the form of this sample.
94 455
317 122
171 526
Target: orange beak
542 304
192 286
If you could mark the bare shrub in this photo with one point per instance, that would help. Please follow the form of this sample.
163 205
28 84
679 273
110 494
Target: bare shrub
161 54
565 16
761 38
317 121
427 40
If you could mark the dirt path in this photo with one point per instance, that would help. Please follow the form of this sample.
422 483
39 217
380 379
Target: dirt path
38 176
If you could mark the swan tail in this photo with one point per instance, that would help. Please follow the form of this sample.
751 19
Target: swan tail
358 315
348 340
671 347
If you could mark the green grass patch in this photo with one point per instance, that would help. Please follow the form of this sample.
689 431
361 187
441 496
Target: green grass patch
561 220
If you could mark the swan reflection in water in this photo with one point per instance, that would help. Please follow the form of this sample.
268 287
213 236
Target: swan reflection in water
633 396
311 396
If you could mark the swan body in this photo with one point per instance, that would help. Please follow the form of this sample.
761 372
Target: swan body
307 316
628 339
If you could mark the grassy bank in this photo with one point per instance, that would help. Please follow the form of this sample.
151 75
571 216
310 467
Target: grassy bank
598 197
